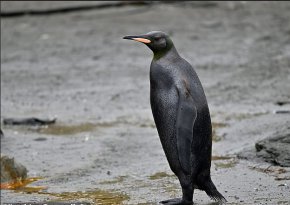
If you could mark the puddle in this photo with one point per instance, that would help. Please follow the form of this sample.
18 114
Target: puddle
20 185
56 129
97 197
66 129
59 129
159 175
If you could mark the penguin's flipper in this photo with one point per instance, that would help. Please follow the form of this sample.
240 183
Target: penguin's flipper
186 115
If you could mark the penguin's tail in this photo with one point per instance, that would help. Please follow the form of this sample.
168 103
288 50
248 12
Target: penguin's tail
213 193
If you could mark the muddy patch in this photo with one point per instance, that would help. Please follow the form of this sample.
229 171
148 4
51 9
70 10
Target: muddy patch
94 197
215 157
172 189
269 169
66 129
280 173
97 197
159 175
224 165
56 129
20 185
224 162
118 179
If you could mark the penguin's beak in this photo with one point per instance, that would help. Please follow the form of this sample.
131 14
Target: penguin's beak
141 39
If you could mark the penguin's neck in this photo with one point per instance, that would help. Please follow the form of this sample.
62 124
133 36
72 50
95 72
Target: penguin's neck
169 54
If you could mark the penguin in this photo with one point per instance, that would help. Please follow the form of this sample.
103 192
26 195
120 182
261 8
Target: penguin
181 114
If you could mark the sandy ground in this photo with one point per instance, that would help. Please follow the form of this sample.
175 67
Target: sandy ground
104 147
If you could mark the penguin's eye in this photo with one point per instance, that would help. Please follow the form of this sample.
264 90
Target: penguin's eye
157 38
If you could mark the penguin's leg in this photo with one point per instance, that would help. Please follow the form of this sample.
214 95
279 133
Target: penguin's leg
187 188
187 192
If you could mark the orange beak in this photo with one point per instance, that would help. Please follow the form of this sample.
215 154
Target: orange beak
138 38
142 40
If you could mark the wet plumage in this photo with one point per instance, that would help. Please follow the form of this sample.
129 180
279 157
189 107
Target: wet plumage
182 117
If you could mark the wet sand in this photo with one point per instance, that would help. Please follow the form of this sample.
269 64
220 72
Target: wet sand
104 147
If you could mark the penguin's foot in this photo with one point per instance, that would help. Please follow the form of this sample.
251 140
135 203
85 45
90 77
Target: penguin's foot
176 201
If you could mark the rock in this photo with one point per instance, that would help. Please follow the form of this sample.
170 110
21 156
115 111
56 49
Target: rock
28 121
275 150
11 170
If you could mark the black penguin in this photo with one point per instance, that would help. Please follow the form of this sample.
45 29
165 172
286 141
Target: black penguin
182 117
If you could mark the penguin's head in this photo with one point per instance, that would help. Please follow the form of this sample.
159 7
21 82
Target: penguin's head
157 41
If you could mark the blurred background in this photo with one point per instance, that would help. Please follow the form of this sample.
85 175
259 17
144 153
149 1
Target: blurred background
66 60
